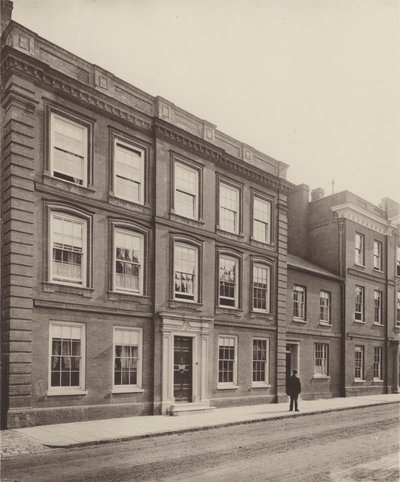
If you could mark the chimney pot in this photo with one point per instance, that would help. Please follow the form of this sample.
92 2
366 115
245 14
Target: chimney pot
317 193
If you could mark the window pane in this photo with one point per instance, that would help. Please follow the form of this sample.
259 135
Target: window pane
129 173
128 261
185 271
229 208
227 281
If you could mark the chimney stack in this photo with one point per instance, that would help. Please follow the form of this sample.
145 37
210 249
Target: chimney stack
317 193
6 8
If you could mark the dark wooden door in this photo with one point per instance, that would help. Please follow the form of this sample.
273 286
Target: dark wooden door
288 363
183 369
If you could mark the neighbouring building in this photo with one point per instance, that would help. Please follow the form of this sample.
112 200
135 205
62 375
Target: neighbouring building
358 242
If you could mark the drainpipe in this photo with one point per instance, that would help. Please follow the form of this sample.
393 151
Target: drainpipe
387 345
342 274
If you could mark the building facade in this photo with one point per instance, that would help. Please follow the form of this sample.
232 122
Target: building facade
143 251
144 257
358 242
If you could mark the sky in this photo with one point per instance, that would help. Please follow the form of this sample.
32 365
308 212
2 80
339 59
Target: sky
313 83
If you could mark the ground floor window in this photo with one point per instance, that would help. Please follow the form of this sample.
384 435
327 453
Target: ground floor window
260 361
227 360
321 359
359 363
377 363
127 358
67 356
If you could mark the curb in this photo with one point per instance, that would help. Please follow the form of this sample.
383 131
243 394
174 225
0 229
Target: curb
214 426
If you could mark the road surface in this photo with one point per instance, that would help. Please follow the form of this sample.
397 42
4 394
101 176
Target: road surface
351 445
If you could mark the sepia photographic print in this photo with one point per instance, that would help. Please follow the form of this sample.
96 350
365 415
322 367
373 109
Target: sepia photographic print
200 240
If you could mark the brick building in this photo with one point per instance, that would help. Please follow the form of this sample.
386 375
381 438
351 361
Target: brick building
143 251
144 264
358 242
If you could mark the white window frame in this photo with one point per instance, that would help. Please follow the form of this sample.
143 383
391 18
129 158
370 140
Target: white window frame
361 314
359 249
359 349
378 296
176 296
301 303
75 390
129 147
321 349
378 364
237 281
265 382
398 309
84 255
326 295
267 222
85 129
233 384
236 211
377 255
195 195
129 232
131 388
268 290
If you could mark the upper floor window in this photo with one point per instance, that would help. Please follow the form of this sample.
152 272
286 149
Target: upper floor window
398 260
68 150
325 306
377 255
321 358
299 302
127 359
128 261
261 283
359 363
185 272
229 202
261 220
398 309
359 249
227 360
260 361
359 304
67 357
228 281
128 172
186 202
378 307
68 249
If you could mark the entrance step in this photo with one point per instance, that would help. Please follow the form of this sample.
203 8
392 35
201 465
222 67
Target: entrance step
190 408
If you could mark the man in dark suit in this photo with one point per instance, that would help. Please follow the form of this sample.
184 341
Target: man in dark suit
293 389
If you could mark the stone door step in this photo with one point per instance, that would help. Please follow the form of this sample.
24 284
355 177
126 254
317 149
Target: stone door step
190 408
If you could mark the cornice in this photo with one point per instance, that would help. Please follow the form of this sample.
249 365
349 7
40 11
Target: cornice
360 216
219 156
16 63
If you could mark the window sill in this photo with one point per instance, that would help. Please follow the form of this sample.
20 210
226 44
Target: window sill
49 180
325 323
125 203
299 320
132 297
61 393
183 219
361 322
221 310
359 265
261 244
377 270
126 390
261 314
229 234
358 380
52 287
377 380
375 323
321 377
229 386
260 385
189 305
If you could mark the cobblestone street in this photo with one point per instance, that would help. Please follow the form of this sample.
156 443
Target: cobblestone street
14 444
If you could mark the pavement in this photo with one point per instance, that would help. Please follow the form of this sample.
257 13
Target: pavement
40 439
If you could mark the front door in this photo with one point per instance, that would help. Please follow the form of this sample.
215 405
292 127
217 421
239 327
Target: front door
183 369
288 362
